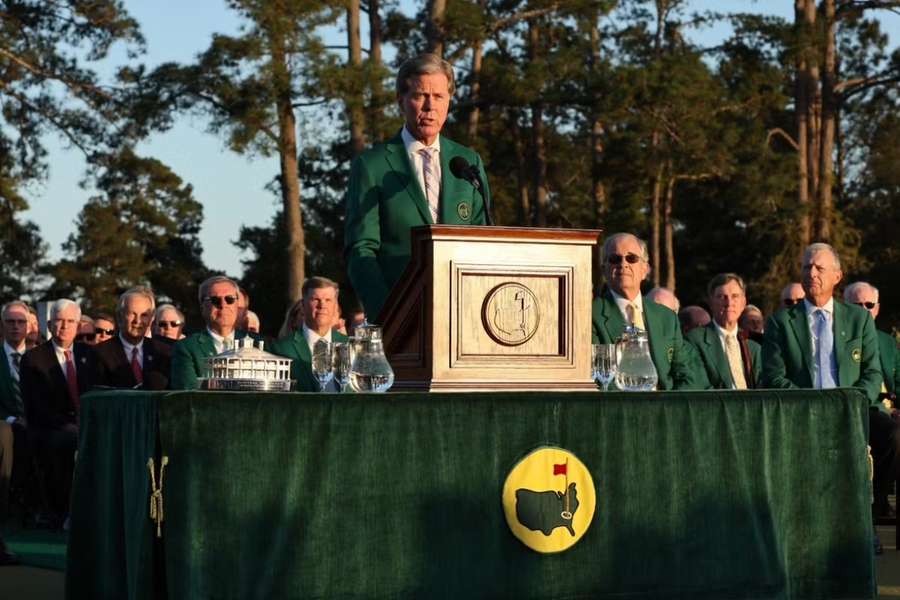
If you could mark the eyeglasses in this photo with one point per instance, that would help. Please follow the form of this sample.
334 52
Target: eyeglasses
791 301
85 337
217 300
867 305
170 324
616 259
101 331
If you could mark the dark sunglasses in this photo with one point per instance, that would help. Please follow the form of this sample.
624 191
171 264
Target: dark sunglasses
616 259
85 337
791 301
217 300
101 331
170 324
868 305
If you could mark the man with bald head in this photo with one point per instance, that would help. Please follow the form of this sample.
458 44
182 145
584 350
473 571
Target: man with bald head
664 297
625 266
792 294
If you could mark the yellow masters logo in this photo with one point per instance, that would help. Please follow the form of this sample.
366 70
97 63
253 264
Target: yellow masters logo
549 499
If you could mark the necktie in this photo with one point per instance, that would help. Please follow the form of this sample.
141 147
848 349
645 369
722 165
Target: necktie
733 352
136 366
17 390
72 380
430 170
824 351
16 360
634 313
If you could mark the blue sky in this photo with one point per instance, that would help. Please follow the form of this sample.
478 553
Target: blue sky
230 186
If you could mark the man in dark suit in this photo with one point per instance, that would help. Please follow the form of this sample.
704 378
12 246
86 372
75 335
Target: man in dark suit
218 298
13 433
821 343
407 182
625 266
731 361
866 296
131 359
53 376
320 302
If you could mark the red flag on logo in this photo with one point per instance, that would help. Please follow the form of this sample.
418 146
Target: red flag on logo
559 469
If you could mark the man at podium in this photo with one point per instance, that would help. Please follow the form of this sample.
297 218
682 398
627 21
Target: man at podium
409 181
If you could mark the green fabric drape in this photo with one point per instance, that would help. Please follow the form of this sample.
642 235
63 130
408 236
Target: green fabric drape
110 550
760 494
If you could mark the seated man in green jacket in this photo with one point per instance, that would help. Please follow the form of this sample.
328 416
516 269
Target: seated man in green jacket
218 298
732 362
320 311
625 266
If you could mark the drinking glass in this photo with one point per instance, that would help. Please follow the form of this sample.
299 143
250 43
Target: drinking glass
321 363
605 362
341 359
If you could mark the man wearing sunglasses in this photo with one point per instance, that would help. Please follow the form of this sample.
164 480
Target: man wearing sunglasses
104 328
169 323
624 259
218 298
86 333
131 359
792 294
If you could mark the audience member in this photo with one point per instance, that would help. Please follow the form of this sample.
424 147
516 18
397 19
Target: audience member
319 305
293 319
131 360
242 308
792 294
33 337
252 320
54 375
664 297
104 327
625 266
218 298
693 316
752 323
169 322
731 361
13 439
85 333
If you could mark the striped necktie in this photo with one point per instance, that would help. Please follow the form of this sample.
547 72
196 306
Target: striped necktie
735 363
16 387
824 351
136 368
432 176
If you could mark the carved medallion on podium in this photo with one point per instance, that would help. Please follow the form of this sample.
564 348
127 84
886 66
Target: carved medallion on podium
511 314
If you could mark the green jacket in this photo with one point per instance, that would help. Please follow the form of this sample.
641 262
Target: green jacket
677 364
890 361
295 347
709 347
385 201
10 404
189 358
788 352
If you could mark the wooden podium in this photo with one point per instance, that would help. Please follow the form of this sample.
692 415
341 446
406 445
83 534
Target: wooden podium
492 308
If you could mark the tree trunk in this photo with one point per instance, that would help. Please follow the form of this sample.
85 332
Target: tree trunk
801 97
523 202
814 99
475 91
290 178
654 219
539 151
598 190
375 114
669 231
434 29
355 104
825 199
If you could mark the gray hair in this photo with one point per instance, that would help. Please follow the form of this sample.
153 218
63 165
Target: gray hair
859 286
61 305
752 308
164 307
203 290
645 254
138 290
315 283
9 305
822 247
424 64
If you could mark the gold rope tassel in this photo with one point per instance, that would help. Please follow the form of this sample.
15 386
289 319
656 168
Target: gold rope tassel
156 494
871 463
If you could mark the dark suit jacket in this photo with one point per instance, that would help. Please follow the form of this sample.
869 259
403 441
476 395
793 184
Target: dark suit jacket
788 351
295 347
10 405
385 201
114 367
677 364
44 390
709 346
890 361
189 359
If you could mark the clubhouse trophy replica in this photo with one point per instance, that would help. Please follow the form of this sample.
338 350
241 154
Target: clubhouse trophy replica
246 368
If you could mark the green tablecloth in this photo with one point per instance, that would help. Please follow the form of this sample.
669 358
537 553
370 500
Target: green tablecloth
760 494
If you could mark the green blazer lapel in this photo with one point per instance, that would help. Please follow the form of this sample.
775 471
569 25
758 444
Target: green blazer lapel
303 363
205 344
845 364
800 328
717 354
396 157
658 348
612 320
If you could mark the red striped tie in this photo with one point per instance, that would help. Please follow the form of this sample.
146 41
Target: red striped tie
72 380
136 366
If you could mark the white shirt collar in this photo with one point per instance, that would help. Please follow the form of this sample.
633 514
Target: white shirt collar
811 308
61 354
723 333
9 349
219 341
623 303
129 348
312 337
413 145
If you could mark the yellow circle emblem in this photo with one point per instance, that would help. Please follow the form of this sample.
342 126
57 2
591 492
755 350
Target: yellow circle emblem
549 500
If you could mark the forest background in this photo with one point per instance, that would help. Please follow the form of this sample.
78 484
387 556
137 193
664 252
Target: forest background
606 114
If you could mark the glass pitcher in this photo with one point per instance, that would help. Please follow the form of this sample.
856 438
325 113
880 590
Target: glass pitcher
636 372
370 370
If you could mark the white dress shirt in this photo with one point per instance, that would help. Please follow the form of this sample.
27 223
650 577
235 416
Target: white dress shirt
219 341
623 304
412 150
129 348
811 322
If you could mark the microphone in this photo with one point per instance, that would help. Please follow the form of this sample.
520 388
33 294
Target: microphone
461 169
